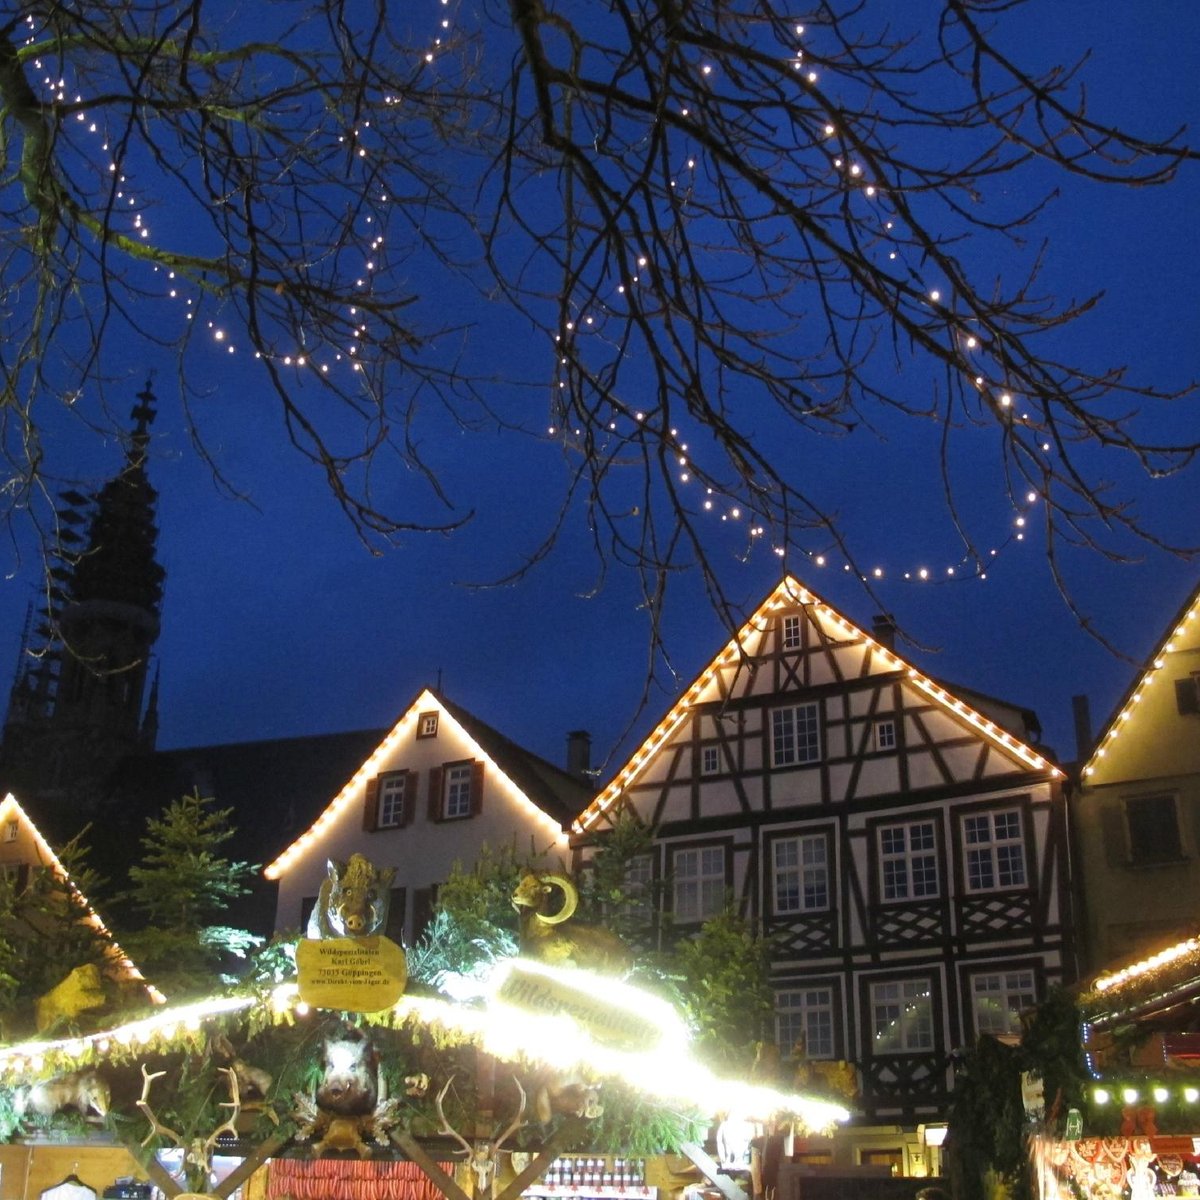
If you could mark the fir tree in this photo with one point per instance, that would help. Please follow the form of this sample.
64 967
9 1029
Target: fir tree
180 888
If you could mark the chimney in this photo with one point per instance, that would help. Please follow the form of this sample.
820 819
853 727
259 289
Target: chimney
579 752
883 630
1082 712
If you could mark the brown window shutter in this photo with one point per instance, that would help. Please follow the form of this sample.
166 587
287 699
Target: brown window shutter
371 805
22 877
435 793
411 779
476 788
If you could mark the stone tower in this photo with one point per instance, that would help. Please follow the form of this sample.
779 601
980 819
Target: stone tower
76 706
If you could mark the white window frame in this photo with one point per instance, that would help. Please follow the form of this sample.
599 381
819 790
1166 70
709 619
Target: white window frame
902 1016
800 874
885 734
994 850
10 831
710 760
639 884
806 1014
457 783
791 636
905 865
699 881
427 725
796 735
999 997
392 800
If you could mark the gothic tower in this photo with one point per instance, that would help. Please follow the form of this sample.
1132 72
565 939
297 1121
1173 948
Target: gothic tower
76 706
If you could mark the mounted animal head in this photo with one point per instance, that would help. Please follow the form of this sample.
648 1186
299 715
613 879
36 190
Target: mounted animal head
353 901
534 894
350 1080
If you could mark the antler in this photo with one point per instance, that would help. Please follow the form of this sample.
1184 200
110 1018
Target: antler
156 1126
516 1121
446 1126
229 1125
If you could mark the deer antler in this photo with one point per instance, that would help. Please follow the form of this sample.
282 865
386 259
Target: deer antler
229 1125
446 1126
156 1126
515 1124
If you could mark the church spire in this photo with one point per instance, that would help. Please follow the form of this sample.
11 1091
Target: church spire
76 706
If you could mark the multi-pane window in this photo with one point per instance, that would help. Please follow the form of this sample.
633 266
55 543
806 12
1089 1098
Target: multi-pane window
901 1016
801 874
392 798
795 735
427 725
456 784
998 999
804 1021
710 760
639 885
1153 829
791 633
10 831
885 735
995 849
908 861
699 887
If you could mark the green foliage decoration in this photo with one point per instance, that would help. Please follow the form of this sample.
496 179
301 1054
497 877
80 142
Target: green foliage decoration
724 986
989 1129
181 886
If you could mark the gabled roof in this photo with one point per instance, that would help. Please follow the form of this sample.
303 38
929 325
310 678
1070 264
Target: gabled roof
788 593
554 796
1151 676
127 971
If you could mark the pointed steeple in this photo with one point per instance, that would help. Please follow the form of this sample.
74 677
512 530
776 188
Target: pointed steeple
76 707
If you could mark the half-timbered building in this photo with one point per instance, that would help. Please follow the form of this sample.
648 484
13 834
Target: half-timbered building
904 850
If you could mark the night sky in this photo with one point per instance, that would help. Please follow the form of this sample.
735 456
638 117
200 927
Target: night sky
277 622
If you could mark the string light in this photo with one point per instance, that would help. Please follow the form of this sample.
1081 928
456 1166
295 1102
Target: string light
790 593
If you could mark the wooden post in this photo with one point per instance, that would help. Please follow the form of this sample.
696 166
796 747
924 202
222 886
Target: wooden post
729 1188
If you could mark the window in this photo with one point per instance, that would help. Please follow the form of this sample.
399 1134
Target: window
699 890
901 1016
908 861
10 831
791 633
885 735
1187 695
999 998
1153 829
427 725
804 1021
801 877
455 790
995 850
390 800
639 881
457 782
710 760
795 735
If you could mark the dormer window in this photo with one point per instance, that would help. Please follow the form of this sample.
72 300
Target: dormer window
427 725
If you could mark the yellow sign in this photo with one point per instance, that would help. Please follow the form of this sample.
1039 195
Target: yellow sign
364 974
608 1023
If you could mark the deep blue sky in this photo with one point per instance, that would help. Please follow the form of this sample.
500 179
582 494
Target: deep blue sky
277 622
